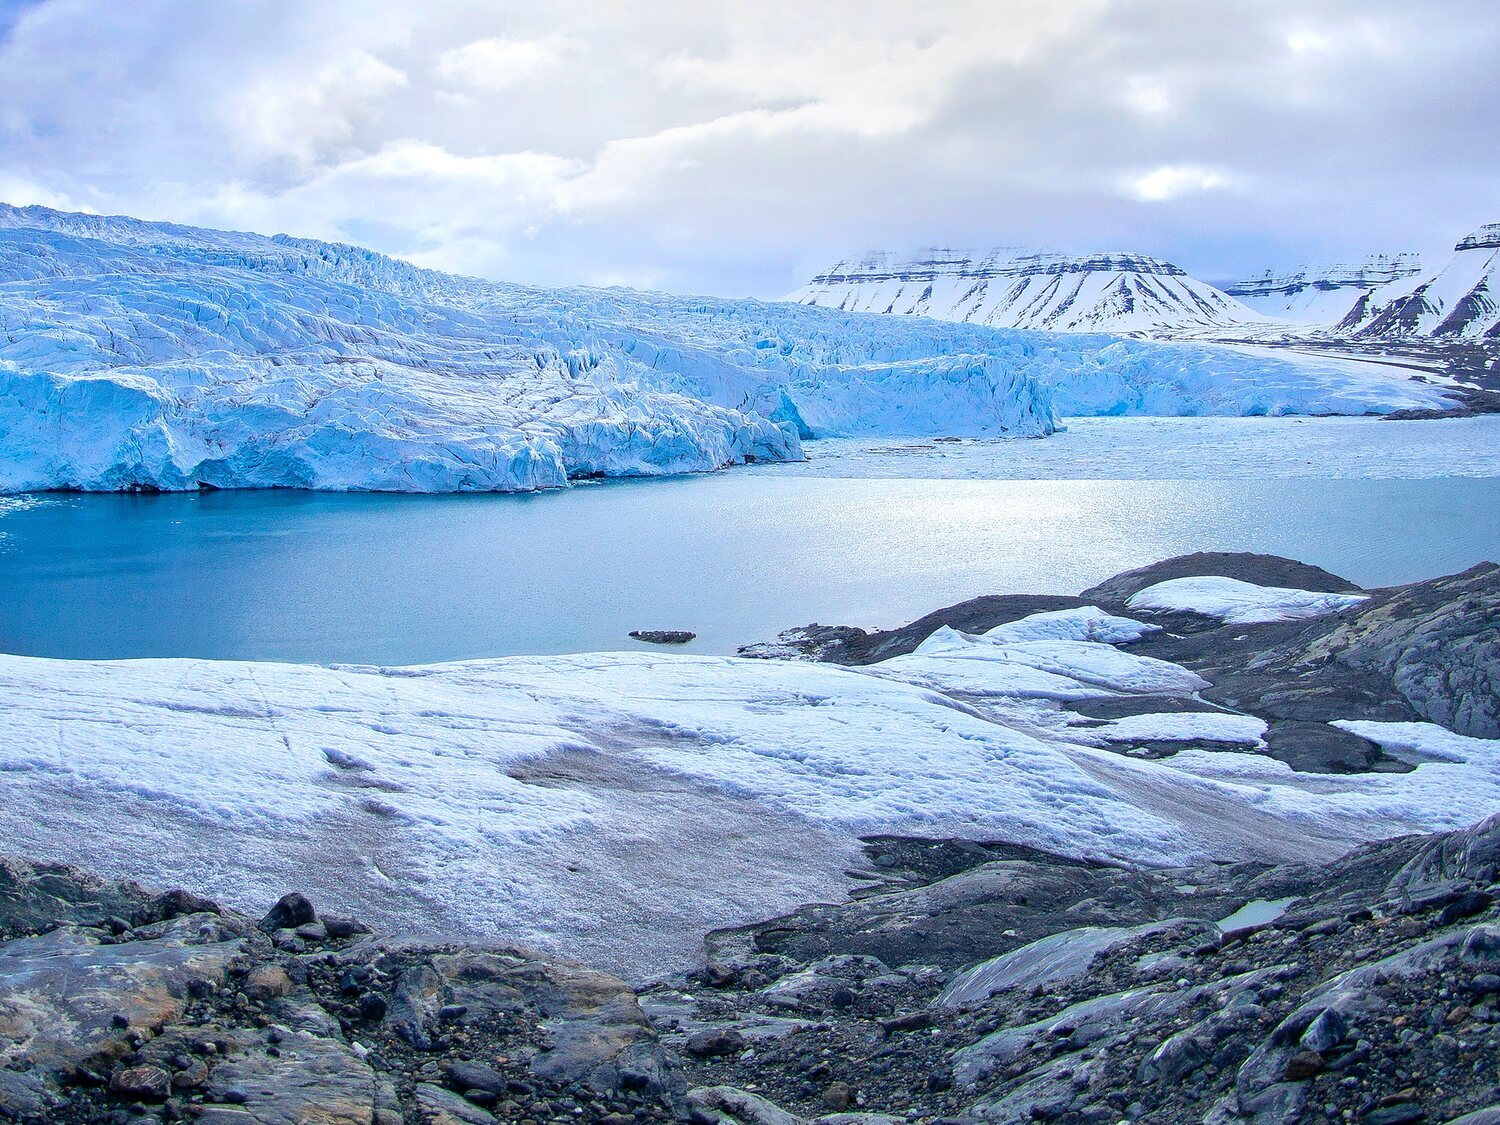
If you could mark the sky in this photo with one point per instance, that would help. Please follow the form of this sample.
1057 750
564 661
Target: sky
740 147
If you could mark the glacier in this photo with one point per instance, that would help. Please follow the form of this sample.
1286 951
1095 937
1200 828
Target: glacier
614 805
142 355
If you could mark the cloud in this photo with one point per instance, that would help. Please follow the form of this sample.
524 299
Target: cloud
733 147
302 120
499 63
1173 181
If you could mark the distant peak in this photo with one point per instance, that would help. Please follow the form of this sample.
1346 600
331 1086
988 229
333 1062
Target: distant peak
1001 261
1486 237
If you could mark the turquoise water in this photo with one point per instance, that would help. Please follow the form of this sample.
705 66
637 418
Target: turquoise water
734 556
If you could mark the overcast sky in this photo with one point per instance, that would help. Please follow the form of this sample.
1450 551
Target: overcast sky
738 147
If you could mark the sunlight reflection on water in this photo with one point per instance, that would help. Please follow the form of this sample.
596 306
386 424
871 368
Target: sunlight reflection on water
736 557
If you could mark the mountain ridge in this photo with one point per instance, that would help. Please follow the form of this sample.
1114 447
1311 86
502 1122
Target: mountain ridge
1014 287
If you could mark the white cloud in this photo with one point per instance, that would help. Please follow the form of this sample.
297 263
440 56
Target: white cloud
499 63
25 193
1173 181
730 146
304 118
1148 95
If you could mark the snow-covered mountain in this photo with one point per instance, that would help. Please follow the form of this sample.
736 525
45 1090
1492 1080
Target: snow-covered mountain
1322 294
1461 299
1009 287
149 355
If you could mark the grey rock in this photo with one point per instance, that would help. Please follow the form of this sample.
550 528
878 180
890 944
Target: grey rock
1325 1032
1058 957
440 1107
714 1041
727 1105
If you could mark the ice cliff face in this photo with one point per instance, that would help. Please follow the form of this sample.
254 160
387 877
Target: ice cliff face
1322 294
143 355
1459 300
148 355
1014 288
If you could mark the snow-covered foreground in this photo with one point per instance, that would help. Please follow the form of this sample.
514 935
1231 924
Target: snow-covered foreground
149 355
615 806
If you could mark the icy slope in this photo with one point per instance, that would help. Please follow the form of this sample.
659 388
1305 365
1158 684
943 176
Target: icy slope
1461 299
1322 295
616 805
146 355
1013 288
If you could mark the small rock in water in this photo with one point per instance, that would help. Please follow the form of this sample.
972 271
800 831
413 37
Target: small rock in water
663 636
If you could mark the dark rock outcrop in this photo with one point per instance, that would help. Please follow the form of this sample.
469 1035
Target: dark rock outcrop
663 636
1263 570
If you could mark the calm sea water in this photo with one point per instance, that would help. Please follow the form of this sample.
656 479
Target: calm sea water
735 557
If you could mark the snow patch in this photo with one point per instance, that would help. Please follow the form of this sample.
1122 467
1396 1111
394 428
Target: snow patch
1240 603
1087 623
612 806
1415 743
1187 726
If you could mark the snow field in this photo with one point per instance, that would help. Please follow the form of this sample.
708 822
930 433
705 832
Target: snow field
614 806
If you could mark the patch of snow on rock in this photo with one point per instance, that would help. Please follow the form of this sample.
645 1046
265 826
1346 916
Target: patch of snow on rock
1187 726
1415 743
1086 623
1239 603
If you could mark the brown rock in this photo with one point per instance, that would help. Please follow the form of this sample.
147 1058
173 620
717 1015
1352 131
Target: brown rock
1303 1066
838 1096
269 982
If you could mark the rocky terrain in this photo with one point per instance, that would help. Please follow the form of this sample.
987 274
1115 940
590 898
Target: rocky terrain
962 981
970 984
117 1004
1427 651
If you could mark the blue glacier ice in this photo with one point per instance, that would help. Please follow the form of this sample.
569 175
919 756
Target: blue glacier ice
149 355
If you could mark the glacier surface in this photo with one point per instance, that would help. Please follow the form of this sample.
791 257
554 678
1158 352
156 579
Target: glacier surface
148 355
613 806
